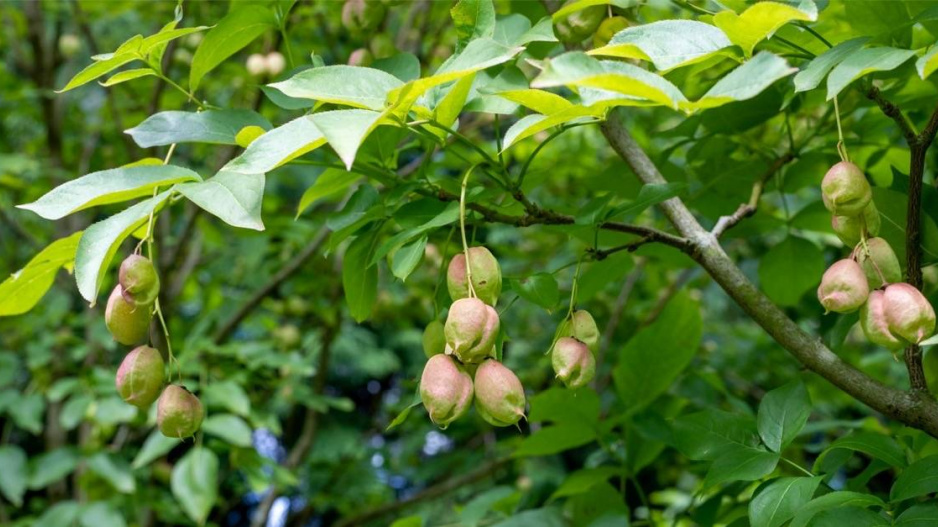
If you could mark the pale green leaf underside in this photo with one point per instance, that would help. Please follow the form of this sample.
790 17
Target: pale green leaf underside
233 197
278 146
863 62
668 44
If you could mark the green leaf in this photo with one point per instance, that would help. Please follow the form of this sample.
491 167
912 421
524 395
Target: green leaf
478 507
101 240
278 146
650 194
404 66
741 464
14 475
114 470
583 480
657 354
99 69
928 63
401 417
75 410
554 439
780 500
218 127
447 111
877 446
128 75
539 101
107 186
841 498
532 124
783 412
761 21
236 30
668 44
848 516
918 479
50 467
230 395
407 258
810 77
409 521
478 55
27 413
712 433
230 428
346 130
365 88
473 19
920 515
62 514
546 517
23 289
579 69
101 514
360 277
862 62
233 197
448 216
565 406
540 289
156 446
790 269
744 82
330 182
194 483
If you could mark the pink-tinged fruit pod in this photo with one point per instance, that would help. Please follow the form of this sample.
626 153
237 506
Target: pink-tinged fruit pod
874 324
445 389
843 287
908 313
138 278
129 324
471 329
850 228
486 276
879 263
845 190
573 362
178 412
140 377
499 394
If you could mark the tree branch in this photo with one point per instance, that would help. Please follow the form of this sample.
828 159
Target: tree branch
893 112
931 129
915 409
746 210
913 256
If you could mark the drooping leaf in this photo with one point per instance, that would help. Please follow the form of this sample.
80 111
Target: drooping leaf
156 446
919 515
741 464
45 469
101 514
927 63
744 82
237 29
98 69
779 501
710 434
194 483
23 289
354 86
360 277
107 186
114 470
862 62
668 44
278 146
233 197
346 130
14 476
657 354
211 126
842 498
407 258
532 124
447 216
918 479
128 75
783 412
761 21
877 446
100 242
330 182
228 427
810 77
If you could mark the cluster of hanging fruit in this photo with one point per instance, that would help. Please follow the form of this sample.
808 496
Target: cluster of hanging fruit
893 314
462 363
141 375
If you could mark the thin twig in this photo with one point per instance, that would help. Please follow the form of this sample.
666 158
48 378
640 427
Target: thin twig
746 210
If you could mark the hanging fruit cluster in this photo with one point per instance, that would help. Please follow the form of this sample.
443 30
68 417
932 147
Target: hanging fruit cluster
893 314
141 375
462 363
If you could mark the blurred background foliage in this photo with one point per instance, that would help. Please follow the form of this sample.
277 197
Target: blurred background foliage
299 396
